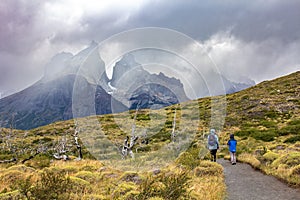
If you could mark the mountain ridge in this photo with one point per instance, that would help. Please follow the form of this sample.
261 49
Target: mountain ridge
134 87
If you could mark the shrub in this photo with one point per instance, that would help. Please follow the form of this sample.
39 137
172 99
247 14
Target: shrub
289 129
268 124
272 114
79 186
22 168
250 159
296 171
52 185
265 135
24 186
87 176
292 139
188 160
42 140
295 175
11 195
208 168
290 160
94 197
270 156
38 162
246 132
122 189
10 176
166 186
65 169
294 122
131 177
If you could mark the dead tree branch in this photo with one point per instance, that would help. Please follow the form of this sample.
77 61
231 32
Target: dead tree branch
78 146
173 135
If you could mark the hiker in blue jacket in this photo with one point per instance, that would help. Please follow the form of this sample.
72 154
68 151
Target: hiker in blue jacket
213 144
232 149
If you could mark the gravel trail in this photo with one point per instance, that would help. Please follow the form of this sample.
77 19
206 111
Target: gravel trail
245 183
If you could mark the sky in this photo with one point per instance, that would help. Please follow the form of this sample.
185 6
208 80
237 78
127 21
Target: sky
258 39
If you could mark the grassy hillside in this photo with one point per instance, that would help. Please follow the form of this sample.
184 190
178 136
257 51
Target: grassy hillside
264 118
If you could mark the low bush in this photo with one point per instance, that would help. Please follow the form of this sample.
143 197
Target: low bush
264 135
296 171
88 176
270 156
290 160
289 129
208 168
124 189
188 160
52 185
166 186
250 159
11 195
268 124
292 139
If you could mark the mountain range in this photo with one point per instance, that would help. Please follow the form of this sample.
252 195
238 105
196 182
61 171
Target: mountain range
131 86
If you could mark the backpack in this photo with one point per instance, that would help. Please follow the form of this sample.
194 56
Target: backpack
212 140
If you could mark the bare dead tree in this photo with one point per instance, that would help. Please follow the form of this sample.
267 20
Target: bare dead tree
61 149
173 135
128 145
78 146
125 148
8 161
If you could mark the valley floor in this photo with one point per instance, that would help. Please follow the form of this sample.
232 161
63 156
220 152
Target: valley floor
245 183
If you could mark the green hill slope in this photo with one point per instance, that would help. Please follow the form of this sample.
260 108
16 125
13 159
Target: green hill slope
264 112
265 119
269 105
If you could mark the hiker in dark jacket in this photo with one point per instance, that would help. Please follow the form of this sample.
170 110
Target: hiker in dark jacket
213 144
232 149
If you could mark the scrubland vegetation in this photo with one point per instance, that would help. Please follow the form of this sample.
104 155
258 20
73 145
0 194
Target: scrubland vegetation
265 120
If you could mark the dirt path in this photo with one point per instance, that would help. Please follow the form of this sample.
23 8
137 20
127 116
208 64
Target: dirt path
244 183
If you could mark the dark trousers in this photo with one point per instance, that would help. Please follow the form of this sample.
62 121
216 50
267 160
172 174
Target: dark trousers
213 153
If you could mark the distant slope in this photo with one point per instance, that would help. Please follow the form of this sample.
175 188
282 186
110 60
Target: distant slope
48 102
270 106
273 100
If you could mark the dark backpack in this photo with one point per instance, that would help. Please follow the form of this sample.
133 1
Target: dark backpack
212 140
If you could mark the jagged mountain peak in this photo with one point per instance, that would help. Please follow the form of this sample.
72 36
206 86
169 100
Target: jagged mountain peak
64 63
126 64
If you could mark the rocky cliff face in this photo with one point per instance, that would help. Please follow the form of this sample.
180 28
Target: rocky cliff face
136 86
64 64
44 103
50 99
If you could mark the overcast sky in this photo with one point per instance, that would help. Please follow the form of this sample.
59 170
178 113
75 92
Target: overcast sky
259 39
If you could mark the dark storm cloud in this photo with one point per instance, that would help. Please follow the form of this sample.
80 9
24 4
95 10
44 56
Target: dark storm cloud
18 32
263 32
249 20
